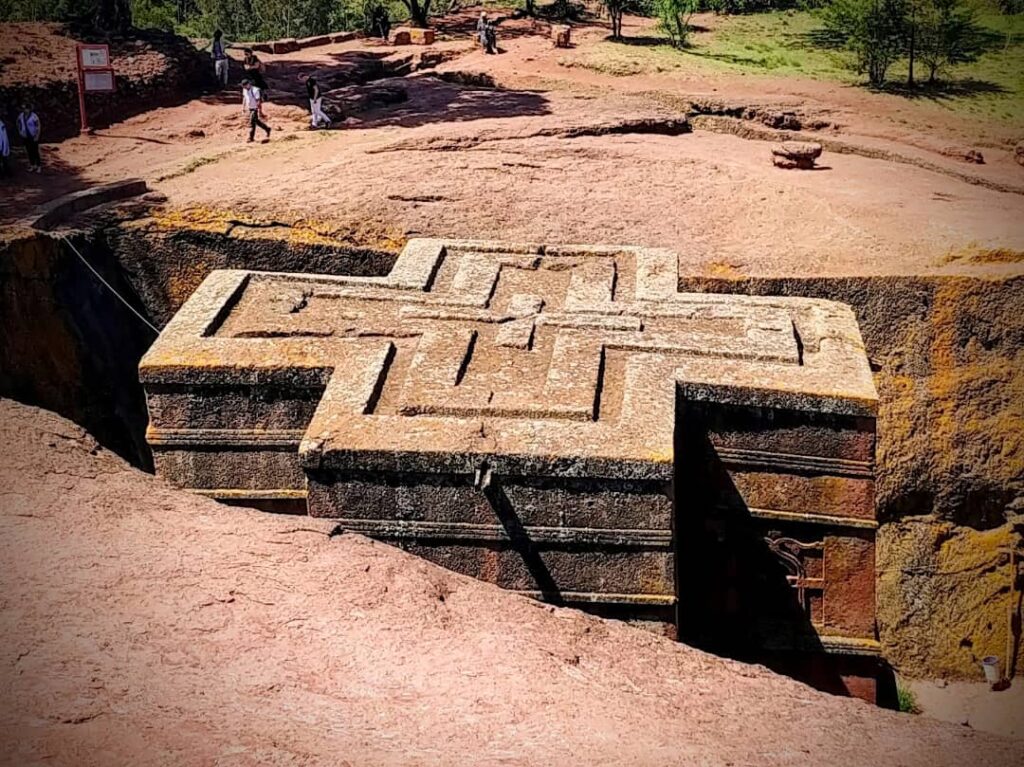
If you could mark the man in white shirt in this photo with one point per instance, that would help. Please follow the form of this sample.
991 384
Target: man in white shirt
252 102
29 128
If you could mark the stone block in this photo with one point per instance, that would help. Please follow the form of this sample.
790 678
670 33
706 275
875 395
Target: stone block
412 36
286 45
561 35
796 154
557 420
314 42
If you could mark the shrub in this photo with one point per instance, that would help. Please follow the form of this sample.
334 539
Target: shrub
947 33
874 30
674 19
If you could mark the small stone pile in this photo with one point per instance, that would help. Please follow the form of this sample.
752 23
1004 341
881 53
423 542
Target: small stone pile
1018 153
796 154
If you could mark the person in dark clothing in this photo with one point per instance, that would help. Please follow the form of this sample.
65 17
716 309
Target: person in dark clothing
254 72
381 22
252 102
5 145
219 52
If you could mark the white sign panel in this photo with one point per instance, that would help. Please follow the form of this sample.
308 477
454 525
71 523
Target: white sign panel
94 57
99 81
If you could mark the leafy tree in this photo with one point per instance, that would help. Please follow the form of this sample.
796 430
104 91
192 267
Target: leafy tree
948 34
674 19
101 15
419 11
615 10
874 30
113 15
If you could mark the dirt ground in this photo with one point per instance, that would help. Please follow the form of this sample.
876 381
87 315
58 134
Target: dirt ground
553 153
143 625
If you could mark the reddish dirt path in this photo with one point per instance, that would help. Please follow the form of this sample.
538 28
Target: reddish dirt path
142 625
509 163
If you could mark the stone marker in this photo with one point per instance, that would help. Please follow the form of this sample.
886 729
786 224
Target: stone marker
796 154
561 34
556 420
412 36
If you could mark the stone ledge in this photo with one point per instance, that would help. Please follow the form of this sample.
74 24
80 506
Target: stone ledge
60 210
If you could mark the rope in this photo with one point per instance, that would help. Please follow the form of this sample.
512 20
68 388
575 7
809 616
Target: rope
109 286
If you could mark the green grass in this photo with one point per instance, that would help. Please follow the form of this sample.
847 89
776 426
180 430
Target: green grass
905 701
783 44
193 165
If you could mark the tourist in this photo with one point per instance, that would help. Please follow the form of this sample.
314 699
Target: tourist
252 102
490 38
317 116
381 23
254 72
221 62
5 146
29 128
481 30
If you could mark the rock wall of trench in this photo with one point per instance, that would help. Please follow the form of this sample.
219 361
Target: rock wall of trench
949 359
948 355
67 345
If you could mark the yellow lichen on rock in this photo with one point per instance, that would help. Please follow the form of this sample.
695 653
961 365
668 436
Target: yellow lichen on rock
944 596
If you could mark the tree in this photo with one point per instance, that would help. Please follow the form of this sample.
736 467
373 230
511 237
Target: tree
419 11
615 10
114 15
674 19
874 30
948 34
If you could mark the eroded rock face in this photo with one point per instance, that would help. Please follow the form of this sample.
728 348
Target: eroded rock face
945 598
948 355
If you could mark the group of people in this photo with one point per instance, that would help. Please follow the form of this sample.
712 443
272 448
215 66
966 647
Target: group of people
487 34
251 63
254 86
30 130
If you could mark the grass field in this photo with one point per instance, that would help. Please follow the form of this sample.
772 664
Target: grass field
784 44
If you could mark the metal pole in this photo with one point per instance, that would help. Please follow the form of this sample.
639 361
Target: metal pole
84 128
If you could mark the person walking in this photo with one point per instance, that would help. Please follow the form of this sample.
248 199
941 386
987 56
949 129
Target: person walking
221 62
5 146
317 116
29 128
252 102
490 38
381 22
254 72
481 29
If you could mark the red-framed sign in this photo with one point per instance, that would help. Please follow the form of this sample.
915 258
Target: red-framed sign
95 75
93 56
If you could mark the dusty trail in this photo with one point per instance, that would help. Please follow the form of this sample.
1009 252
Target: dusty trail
142 625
